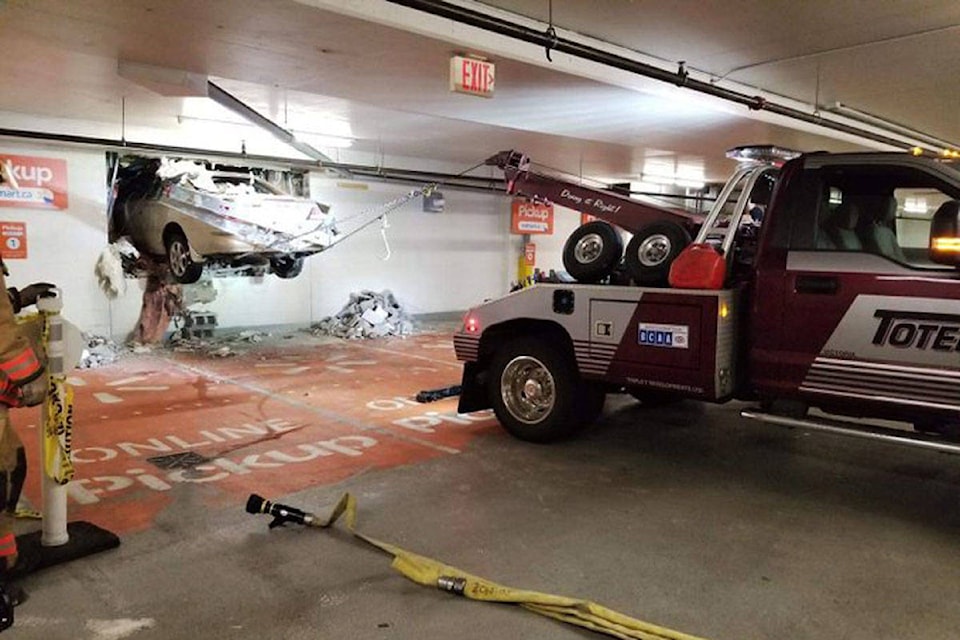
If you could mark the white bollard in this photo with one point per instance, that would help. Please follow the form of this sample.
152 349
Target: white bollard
54 510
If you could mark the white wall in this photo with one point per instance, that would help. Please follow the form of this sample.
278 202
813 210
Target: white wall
440 262
63 245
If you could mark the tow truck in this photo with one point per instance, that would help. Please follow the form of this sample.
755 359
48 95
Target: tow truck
843 297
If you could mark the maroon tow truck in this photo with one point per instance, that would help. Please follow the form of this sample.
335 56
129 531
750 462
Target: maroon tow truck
841 294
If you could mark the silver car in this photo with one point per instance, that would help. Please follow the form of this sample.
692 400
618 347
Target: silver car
196 217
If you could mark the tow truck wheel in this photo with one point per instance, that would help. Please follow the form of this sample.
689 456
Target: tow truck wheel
536 392
652 250
592 251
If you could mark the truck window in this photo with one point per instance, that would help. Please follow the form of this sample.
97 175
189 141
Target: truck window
883 210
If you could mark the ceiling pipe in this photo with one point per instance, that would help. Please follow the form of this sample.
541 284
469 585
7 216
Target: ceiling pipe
387 174
550 41
869 118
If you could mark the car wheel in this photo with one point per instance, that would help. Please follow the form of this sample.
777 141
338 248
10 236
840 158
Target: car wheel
592 252
286 267
182 267
651 252
536 392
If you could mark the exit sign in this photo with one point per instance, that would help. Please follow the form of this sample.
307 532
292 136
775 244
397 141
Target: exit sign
471 75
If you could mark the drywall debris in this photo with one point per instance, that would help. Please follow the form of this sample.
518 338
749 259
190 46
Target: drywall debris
110 267
367 315
99 351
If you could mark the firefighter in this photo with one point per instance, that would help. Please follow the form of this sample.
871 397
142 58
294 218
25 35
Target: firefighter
22 384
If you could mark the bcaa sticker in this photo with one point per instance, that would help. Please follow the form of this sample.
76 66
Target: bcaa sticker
32 182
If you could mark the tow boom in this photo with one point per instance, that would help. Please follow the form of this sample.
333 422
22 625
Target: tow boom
625 212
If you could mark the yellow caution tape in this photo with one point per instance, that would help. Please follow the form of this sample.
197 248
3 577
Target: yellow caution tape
57 410
58 430
430 573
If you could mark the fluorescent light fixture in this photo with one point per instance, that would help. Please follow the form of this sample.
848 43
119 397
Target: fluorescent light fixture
323 140
674 180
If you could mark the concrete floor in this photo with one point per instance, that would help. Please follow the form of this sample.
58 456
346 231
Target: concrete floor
685 516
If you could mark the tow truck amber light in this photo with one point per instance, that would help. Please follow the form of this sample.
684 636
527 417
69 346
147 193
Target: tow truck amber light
946 245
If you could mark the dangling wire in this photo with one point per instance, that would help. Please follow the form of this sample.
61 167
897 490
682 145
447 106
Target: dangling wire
551 33
384 225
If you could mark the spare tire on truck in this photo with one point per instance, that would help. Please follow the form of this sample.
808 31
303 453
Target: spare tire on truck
593 251
651 252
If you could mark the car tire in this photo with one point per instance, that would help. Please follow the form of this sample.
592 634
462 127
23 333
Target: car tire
182 267
286 267
652 250
536 391
593 251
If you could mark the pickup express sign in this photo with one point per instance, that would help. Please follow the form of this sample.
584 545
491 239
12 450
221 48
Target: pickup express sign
531 217
38 183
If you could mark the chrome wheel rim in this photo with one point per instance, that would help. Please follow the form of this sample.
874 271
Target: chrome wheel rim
527 389
653 250
588 248
179 258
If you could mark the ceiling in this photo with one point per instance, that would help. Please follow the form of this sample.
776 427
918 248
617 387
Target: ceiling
385 90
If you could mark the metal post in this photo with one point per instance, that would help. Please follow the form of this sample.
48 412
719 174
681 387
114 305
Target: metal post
54 509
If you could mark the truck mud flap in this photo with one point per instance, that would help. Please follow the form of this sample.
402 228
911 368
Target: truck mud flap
473 392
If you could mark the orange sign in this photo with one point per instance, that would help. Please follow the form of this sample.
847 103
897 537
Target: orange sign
530 254
531 217
35 183
472 75
586 217
13 236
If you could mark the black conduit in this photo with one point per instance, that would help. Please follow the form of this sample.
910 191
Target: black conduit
680 78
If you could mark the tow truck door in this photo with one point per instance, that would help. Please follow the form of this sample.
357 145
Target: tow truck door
859 323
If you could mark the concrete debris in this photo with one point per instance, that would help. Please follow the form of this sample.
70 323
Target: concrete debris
217 347
99 351
367 315
200 292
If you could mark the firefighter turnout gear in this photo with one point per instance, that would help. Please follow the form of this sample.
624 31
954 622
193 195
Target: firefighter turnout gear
22 383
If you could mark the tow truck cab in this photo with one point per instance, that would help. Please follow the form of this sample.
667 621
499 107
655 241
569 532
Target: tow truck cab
846 298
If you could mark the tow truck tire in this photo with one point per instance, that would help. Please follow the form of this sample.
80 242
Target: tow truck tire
652 250
593 251
536 392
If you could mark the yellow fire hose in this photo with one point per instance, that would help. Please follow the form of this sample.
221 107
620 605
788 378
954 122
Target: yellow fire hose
430 573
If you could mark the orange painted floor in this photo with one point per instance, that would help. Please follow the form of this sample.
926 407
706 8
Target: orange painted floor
283 416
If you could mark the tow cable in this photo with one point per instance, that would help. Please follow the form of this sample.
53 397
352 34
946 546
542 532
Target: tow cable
431 573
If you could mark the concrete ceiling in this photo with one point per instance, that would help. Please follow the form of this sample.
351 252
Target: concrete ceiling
308 66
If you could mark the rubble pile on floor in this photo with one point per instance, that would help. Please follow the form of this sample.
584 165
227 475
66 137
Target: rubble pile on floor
99 351
368 315
219 347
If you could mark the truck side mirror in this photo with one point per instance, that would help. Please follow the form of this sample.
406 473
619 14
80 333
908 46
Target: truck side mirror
945 234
